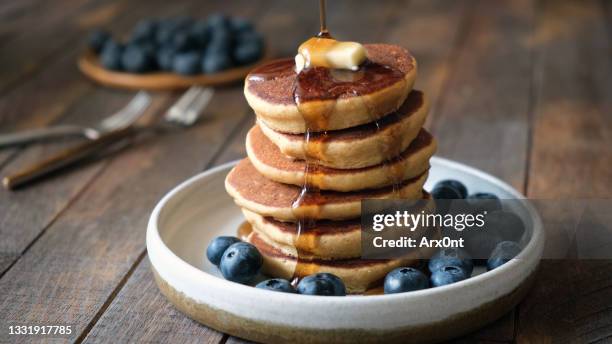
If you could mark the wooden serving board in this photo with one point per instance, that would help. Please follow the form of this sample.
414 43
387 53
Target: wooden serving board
89 65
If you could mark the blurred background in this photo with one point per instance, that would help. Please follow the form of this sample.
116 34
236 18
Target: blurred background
520 89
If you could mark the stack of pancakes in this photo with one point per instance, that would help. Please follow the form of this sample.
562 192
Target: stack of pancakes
373 146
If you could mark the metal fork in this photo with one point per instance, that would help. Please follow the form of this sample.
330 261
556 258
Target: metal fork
184 112
121 119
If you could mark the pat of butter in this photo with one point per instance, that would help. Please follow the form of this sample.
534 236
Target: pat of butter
329 53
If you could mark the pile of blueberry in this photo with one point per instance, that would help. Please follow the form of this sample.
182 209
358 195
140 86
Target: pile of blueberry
241 262
498 241
181 45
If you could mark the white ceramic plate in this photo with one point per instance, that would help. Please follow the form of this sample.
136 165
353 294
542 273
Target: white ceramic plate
188 217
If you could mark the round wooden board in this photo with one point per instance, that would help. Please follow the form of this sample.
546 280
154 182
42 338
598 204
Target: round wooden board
158 81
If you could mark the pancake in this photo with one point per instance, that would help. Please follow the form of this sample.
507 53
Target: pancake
273 164
253 191
324 238
383 84
358 275
365 145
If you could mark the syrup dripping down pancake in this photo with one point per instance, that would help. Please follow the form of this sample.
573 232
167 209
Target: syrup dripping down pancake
270 162
253 191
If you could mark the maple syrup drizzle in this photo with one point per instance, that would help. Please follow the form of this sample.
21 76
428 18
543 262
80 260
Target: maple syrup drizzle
244 230
325 86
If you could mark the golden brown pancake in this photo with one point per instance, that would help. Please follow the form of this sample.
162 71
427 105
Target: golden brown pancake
361 146
253 191
324 239
358 275
270 162
381 89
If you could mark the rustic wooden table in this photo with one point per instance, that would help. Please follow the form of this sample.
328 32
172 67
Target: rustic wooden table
521 89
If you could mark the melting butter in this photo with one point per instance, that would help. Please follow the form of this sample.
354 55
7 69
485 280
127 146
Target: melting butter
329 53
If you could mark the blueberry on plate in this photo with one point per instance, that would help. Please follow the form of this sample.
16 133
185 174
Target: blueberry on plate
165 32
136 59
183 41
276 284
96 40
484 201
201 33
215 62
247 52
249 36
165 58
402 280
324 284
187 63
481 242
452 256
506 223
145 30
503 252
219 46
217 247
447 275
110 57
449 189
218 20
241 262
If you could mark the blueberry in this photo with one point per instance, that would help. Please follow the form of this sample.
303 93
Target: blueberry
182 41
96 40
484 201
217 20
164 34
145 30
276 284
215 62
241 262
201 33
503 252
110 57
321 284
164 58
449 189
247 52
402 280
186 63
481 242
447 275
238 25
507 224
452 256
217 247
219 46
136 59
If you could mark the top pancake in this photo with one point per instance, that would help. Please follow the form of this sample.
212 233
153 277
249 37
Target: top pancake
372 94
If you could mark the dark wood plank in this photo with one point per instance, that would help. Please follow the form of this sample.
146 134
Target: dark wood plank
58 30
40 102
444 24
69 274
30 211
571 156
482 118
144 315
